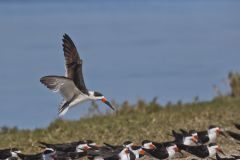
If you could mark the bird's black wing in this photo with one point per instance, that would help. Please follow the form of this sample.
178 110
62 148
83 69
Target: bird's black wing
105 154
158 153
184 132
178 136
4 154
237 125
199 151
113 147
234 135
37 156
73 63
203 137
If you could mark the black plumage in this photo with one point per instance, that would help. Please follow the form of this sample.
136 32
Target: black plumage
234 135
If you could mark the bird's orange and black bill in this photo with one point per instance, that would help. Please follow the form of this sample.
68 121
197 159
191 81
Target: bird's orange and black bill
104 100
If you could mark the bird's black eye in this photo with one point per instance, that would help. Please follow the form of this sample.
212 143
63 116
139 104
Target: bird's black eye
97 94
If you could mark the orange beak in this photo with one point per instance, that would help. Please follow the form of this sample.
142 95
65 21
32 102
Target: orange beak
104 100
141 152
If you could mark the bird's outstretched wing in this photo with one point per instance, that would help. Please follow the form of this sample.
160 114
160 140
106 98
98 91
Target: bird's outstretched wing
63 85
73 63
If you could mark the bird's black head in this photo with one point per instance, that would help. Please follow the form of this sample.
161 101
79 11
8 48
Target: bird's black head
97 94
212 126
135 147
145 141
48 151
192 132
127 143
14 149
89 141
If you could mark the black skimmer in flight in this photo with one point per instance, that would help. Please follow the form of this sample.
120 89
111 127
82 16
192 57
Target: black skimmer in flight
210 136
158 150
47 154
202 151
9 153
117 154
72 87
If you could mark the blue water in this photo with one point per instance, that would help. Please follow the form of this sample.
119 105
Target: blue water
174 50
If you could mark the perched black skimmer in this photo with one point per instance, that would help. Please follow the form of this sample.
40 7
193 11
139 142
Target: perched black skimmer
210 136
234 135
117 154
47 154
191 132
79 146
202 151
156 150
9 153
184 138
72 87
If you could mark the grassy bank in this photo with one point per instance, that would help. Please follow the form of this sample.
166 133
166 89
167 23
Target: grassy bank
131 122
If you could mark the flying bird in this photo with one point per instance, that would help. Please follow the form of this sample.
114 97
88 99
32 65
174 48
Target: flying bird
72 86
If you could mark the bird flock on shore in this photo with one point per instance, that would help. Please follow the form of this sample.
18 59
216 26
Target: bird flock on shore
200 144
185 144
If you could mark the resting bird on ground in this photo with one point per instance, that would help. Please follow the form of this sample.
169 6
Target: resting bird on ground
158 150
9 153
72 87
47 154
210 135
202 151
117 154
79 146
187 139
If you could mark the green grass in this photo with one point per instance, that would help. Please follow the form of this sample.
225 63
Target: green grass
131 122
